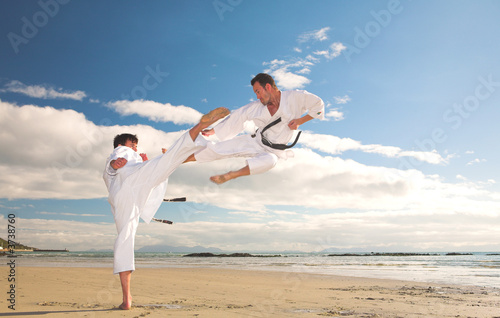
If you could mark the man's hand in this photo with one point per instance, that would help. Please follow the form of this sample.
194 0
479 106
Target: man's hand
144 157
208 132
118 163
295 123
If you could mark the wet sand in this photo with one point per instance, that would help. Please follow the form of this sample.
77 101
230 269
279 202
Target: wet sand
203 292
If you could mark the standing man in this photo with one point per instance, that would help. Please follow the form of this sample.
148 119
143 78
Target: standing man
137 187
276 114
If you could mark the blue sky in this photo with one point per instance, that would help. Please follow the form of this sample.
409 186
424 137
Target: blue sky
404 161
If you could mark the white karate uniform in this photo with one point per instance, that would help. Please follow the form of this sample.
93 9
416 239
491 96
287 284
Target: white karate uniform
137 190
261 158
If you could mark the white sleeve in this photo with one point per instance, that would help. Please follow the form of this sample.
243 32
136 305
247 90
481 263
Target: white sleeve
312 104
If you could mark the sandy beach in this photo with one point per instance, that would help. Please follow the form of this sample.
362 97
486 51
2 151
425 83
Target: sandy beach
202 292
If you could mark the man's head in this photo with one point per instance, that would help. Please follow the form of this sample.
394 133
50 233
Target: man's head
263 86
263 79
127 140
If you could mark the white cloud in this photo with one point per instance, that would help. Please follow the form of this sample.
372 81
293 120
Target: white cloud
475 161
68 163
288 80
322 53
336 49
357 202
316 35
335 114
332 52
284 77
289 74
38 91
342 99
156 111
335 145
69 214
395 229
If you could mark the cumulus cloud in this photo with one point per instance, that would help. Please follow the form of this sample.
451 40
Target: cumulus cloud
336 145
290 73
475 161
38 91
63 161
316 35
157 112
332 52
68 164
301 201
342 99
289 80
336 49
371 229
335 114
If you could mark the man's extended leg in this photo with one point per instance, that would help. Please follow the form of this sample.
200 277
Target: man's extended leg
258 164
204 123
147 185
220 179
156 171
127 297
208 120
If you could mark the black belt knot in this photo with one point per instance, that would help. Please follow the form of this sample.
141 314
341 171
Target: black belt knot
268 143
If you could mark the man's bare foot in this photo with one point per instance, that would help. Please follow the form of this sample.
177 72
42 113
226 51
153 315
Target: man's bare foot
207 120
125 305
213 116
220 179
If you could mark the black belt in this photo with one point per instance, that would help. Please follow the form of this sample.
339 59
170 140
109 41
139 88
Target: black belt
268 143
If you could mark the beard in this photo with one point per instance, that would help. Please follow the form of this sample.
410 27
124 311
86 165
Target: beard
265 101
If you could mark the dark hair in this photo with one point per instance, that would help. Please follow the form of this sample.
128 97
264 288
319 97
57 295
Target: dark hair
264 79
122 139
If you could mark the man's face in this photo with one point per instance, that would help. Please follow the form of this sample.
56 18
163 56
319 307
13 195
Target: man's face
131 144
262 94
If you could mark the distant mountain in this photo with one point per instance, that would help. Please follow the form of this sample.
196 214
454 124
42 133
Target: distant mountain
98 251
18 246
374 249
179 249
345 250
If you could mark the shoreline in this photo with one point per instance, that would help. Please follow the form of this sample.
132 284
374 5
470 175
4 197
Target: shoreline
216 292
476 270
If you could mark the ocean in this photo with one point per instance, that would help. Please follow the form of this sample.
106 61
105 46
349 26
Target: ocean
476 269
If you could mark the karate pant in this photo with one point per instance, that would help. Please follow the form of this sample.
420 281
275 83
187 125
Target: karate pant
259 160
145 188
